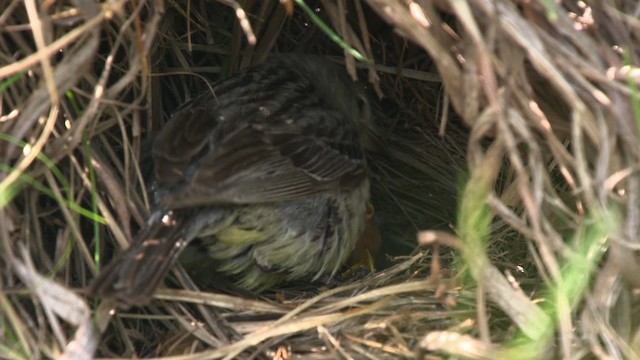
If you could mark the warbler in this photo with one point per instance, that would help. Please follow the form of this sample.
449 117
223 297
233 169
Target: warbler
267 172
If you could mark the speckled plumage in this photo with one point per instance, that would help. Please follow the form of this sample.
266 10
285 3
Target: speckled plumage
268 173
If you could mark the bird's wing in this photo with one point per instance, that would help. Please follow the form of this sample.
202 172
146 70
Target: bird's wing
257 152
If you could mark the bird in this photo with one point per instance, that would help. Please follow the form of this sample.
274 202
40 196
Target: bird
267 173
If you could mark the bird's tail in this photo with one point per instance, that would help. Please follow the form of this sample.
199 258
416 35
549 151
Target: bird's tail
133 276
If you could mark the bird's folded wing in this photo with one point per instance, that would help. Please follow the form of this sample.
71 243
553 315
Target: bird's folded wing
201 160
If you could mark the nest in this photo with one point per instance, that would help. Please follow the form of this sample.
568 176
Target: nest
509 144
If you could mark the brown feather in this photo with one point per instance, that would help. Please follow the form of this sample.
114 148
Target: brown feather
256 153
269 172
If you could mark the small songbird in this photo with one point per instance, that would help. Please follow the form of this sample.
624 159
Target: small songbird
267 172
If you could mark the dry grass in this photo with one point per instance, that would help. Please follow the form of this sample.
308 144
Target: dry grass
510 133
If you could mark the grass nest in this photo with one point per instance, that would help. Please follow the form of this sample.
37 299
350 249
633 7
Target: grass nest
509 144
